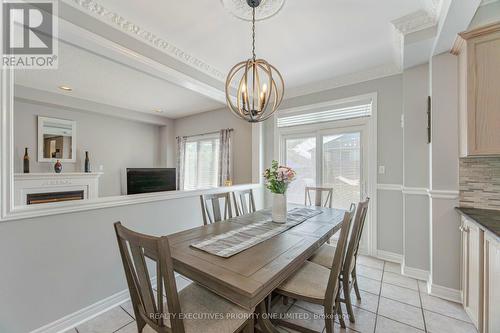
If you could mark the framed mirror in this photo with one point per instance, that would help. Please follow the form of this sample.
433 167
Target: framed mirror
56 140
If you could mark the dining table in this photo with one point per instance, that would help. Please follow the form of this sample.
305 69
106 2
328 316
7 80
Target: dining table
248 277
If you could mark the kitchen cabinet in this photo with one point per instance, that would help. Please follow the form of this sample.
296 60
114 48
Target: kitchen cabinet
472 271
479 82
491 285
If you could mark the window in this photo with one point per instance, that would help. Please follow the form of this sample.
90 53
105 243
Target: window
201 166
359 109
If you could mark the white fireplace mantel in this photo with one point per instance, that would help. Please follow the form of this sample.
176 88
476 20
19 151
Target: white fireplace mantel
29 183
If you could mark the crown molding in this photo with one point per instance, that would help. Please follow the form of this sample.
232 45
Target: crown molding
487 2
116 20
414 22
344 80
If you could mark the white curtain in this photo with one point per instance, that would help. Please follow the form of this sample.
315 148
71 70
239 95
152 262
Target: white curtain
181 158
225 156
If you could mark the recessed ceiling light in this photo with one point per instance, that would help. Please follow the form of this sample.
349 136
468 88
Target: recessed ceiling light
158 110
65 88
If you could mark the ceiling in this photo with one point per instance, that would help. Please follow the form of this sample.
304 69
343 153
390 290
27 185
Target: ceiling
96 78
308 41
314 44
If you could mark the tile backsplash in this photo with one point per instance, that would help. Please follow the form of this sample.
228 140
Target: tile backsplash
480 182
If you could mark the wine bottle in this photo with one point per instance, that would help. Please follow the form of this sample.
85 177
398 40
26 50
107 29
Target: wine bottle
87 162
26 161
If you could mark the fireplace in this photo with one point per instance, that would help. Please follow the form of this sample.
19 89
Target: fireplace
40 188
47 197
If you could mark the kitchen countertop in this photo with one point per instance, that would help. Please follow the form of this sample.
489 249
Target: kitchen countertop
486 218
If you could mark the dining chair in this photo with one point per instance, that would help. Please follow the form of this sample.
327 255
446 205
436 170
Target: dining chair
246 202
325 255
175 315
318 198
316 284
211 207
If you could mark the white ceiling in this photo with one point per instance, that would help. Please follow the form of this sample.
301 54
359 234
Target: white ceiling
311 42
308 40
99 79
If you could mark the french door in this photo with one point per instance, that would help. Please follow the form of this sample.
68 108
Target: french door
335 157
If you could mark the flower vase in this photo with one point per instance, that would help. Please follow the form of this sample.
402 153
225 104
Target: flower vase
279 208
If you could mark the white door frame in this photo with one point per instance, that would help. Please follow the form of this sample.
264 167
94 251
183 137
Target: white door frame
370 142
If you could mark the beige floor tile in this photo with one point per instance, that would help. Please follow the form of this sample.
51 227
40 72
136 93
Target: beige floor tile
386 325
127 306
444 307
107 322
368 301
400 294
401 312
130 328
365 320
392 267
437 323
400 280
369 272
371 262
369 285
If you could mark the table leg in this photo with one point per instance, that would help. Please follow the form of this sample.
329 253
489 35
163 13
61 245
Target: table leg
263 319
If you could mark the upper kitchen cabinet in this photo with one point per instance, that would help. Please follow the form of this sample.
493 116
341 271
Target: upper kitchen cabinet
479 90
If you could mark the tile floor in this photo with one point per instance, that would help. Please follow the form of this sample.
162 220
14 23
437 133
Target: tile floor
390 303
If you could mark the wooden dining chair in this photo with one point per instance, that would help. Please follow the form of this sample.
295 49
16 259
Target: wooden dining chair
211 207
318 197
316 284
325 255
151 313
244 202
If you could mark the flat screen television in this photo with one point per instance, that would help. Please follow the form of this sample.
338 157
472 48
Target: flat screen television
147 180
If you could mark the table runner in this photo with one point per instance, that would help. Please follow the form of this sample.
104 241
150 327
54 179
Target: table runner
230 243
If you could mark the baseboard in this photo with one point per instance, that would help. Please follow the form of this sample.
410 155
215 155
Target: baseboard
76 318
80 316
449 294
415 273
390 256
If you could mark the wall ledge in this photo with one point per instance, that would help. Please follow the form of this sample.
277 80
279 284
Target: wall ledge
26 212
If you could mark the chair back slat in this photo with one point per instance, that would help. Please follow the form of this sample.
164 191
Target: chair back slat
357 231
318 197
141 271
246 202
215 214
338 259
134 249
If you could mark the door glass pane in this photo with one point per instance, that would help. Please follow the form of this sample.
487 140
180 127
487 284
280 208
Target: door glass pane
300 155
342 167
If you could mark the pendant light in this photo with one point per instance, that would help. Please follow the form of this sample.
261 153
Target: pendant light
259 85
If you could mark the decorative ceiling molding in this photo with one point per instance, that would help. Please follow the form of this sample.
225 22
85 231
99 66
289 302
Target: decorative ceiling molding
135 30
344 80
241 10
414 22
487 2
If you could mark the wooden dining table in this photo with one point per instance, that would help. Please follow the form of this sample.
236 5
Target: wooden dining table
248 277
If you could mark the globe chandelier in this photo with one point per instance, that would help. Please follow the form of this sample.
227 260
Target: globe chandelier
259 85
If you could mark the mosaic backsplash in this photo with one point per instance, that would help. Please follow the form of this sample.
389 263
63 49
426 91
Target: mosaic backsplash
480 182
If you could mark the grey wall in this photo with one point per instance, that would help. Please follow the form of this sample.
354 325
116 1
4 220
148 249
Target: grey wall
416 168
56 265
214 121
390 148
445 236
112 142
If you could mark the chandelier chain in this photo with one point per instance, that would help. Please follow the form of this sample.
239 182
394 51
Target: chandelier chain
253 33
